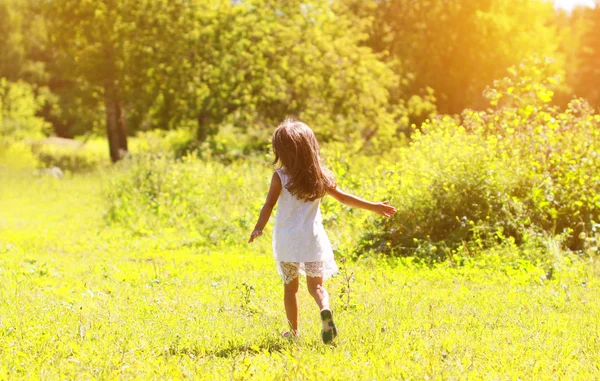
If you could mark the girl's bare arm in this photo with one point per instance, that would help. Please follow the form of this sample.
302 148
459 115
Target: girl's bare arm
267 209
382 208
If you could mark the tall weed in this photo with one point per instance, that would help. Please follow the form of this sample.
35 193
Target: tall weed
210 201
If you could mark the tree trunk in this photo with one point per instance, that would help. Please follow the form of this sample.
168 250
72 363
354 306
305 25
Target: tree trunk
115 123
121 129
202 132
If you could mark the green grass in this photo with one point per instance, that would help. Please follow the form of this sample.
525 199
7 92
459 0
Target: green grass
83 300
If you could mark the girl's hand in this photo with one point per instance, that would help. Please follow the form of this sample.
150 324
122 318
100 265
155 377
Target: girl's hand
384 208
255 234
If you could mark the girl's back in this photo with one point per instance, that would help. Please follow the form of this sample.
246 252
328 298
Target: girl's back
294 214
298 235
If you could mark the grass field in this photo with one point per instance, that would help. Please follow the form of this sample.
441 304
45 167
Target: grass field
83 300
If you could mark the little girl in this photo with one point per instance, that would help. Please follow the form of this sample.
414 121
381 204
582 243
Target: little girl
300 244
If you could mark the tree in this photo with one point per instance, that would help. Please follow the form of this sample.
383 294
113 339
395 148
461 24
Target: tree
87 41
270 59
208 63
457 47
127 55
164 88
587 79
12 52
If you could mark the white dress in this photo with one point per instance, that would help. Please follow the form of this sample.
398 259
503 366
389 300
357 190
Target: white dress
299 238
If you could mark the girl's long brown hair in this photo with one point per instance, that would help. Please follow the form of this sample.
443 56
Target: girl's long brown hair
296 148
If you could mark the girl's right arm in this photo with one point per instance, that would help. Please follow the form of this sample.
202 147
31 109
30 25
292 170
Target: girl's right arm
382 208
267 209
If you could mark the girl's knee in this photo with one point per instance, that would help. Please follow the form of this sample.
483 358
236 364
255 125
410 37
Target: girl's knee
292 287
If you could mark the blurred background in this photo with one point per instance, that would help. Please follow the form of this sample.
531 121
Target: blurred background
352 69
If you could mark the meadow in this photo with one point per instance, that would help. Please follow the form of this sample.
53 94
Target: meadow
83 298
134 160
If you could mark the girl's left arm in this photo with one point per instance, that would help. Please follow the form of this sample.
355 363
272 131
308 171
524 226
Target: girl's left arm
267 208
382 208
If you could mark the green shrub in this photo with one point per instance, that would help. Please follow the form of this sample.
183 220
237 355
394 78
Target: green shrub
209 201
18 107
225 146
17 156
178 142
555 152
70 155
449 188
519 172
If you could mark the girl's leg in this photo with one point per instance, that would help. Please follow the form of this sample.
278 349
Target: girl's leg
318 292
290 299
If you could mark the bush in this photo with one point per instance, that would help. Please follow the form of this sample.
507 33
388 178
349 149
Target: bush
70 155
554 151
17 156
178 142
449 188
225 146
18 108
523 170
209 201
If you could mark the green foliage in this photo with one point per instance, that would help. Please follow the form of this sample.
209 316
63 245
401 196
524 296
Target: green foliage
450 188
225 146
73 157
459 47
229 145
297 59
208 65
24 57
17 156
514 172
571 26
11 45
587 77
23 42
190 196
19 105
359 72
178 142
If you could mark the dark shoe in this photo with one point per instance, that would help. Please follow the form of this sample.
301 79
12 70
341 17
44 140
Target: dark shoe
329 332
